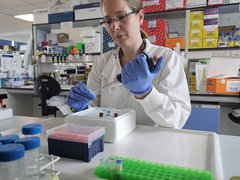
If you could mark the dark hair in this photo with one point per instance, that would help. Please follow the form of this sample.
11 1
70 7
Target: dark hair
135 5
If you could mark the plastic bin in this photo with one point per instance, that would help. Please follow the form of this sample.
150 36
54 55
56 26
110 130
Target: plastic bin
76 142
116 127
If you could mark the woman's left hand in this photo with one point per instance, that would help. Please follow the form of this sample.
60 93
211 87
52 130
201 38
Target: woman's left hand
137 77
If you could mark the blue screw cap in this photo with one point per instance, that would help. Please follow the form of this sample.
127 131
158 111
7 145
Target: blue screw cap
11 152
7 139
31 129
29 142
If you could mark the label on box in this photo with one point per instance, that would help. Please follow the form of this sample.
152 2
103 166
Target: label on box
57 6
150 2
210 21
156 34
194 3
233 86
154 5
40 16
213 2
152 24
172 4
66 25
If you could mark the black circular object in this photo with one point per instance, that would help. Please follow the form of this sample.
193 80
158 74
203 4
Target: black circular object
48 85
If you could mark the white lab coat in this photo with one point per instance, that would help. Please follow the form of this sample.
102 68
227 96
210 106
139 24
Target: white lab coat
167 105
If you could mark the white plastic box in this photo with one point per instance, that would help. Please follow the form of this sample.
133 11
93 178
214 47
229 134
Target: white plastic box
87 11
40 16
6 113
115 127
71 132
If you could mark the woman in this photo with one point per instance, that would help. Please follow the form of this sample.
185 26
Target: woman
159 95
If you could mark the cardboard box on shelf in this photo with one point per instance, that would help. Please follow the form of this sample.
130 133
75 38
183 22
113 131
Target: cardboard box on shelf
210 43
40 16
196 15
210 32
171 42
87 11
195 43
223 85
63 38
154 5
175 4
195 34
156 30
194 3
226 29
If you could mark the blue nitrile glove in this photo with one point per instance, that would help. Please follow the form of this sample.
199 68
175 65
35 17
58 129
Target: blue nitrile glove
136 76
80 96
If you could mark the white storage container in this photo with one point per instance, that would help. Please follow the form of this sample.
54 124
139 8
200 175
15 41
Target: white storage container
40 16
6 113
87 11
115 127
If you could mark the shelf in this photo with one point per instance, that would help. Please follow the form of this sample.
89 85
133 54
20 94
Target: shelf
215 49
76 24
181 13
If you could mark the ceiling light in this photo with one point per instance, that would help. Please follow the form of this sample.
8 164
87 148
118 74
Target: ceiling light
25 17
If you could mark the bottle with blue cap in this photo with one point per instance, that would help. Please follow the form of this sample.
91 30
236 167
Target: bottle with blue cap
7 139
29 130
12 162
31 159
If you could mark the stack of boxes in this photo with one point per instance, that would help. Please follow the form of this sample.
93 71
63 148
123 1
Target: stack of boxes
156 31
175 4
210 29
150 6
60 11
196 29
204 29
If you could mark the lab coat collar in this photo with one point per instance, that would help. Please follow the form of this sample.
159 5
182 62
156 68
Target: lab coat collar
147 45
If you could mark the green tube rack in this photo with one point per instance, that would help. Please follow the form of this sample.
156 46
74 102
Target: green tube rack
133 169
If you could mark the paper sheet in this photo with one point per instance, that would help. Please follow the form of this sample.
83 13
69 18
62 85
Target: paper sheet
223 67
59 102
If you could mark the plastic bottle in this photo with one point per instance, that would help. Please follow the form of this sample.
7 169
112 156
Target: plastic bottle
31 158
222 41
237 37
7 139
229 38
235 42
30 130
12 161
230 42
203 83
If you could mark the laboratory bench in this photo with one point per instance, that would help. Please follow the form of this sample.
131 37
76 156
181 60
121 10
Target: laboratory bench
187 148
214 107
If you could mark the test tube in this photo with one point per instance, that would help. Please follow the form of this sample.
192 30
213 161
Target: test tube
119 164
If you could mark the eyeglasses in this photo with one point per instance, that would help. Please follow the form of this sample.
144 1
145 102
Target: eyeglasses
120 18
